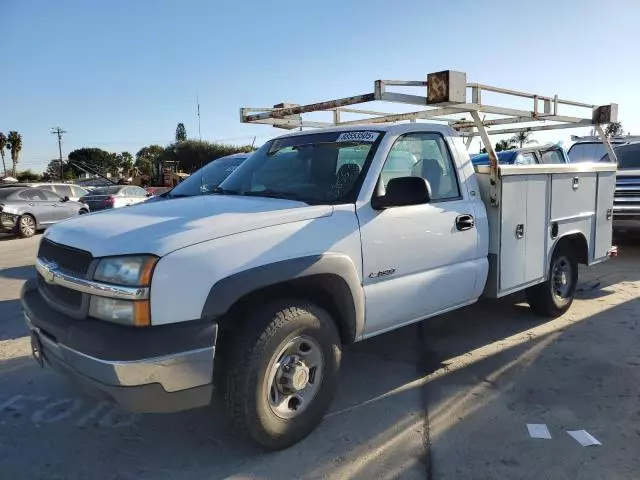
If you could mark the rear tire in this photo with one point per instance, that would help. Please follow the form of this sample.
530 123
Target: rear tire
553 297
82 211
281 372
26 226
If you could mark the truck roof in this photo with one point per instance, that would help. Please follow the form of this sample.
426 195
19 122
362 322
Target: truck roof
394 128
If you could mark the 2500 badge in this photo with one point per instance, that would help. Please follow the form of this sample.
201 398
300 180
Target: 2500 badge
382 273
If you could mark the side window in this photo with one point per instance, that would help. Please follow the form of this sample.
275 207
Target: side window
528 158
64 191
50 196
33 194
552 156
129 192
423 155
46 187
78 192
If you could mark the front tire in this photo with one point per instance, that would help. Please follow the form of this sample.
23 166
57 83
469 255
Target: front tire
281 372
26 226
553 297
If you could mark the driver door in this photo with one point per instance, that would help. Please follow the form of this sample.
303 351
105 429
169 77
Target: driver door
418 260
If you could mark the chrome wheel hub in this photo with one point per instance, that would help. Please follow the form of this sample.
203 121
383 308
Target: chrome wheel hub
295 375
561 275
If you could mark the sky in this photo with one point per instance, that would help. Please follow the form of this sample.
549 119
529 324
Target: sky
121 74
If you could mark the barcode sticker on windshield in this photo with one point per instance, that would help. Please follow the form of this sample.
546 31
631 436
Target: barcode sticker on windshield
358 137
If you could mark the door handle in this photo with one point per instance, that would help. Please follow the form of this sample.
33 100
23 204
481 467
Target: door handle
465 222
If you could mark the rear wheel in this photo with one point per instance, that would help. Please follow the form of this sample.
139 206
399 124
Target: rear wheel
82 211
26 226
281 372
553 297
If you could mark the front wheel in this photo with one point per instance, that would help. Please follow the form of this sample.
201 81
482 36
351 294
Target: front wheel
26 226
553 297
281 372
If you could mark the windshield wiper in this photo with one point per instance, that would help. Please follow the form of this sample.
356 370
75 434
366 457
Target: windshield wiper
224 191
270 193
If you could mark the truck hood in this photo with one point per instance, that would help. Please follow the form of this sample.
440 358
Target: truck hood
162 227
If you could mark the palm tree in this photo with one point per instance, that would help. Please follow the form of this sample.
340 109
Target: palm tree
522 138
3 145
14 145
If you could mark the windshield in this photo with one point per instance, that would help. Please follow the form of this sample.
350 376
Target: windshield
315 168
208 177
628 157
106 190
586 152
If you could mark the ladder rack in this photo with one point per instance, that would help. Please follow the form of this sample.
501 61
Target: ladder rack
446 96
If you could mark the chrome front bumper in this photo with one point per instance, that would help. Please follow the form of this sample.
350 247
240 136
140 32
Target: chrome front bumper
180 371
162 376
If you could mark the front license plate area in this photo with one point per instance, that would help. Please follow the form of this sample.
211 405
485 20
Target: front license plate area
36 348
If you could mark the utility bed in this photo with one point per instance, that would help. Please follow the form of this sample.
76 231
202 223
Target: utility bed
537 204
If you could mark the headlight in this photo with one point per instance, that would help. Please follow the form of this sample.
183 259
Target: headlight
129 271
125 312
133 271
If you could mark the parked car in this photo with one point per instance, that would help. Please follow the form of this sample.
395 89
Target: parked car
591 149
72 192
24 210
114 196
155 191
626 198
206 179
547 154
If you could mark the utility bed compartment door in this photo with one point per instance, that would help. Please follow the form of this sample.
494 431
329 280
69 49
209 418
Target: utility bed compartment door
604 214
523 230
572 194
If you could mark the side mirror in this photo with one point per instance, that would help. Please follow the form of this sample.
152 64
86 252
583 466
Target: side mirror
403 191
65 199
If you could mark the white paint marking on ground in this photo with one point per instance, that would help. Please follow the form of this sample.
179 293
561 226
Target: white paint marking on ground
91 414
538 430
56 411
583 437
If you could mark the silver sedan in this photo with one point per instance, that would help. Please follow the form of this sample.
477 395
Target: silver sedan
24 210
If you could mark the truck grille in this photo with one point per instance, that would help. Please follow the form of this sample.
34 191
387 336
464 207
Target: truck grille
66 297
67 258
627 192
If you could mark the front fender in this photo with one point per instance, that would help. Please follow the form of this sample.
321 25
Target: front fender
227 291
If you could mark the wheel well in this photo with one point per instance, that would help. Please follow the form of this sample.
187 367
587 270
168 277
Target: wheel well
577 243
328 291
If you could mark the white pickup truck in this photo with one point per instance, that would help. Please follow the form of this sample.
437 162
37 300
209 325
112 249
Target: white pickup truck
320 239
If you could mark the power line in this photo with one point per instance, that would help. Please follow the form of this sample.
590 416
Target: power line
58 131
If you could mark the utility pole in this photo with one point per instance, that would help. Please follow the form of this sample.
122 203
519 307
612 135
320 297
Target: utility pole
58 131
198 102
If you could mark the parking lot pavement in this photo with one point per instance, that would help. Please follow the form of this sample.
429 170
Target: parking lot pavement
448 398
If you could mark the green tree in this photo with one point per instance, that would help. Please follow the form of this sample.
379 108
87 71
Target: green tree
14 145
522 138
121 164
614 129
94 159
181 133
190 155
500 146
504 145
52 172
3 145
147 157
28 176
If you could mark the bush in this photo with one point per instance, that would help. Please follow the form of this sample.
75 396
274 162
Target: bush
28 176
